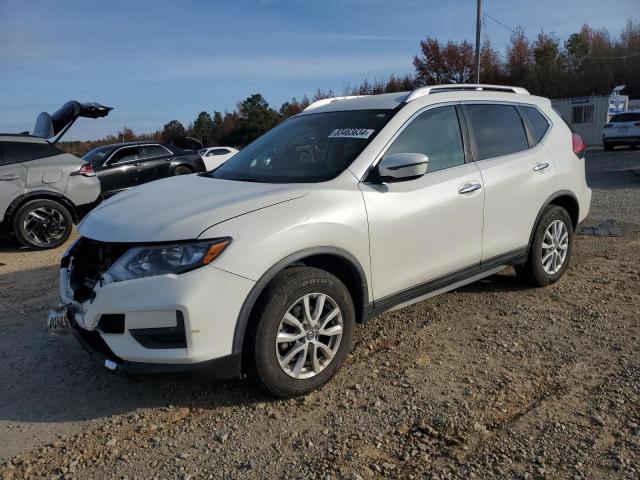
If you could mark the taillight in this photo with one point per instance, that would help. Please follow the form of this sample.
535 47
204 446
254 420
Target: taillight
87 170
608 125
578 145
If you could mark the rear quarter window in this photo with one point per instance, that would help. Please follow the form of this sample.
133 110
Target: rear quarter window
18 152
539 124
498 129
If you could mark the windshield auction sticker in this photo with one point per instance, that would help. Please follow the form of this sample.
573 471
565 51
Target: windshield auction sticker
351 133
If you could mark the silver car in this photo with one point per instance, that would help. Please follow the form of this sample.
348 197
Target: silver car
43 190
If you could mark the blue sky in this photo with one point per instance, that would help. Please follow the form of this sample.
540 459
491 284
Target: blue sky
154 61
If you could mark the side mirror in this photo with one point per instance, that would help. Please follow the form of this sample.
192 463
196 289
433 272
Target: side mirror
403 166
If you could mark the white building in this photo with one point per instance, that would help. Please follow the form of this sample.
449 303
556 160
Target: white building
587 115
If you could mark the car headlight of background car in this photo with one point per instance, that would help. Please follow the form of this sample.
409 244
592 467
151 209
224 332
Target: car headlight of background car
150 260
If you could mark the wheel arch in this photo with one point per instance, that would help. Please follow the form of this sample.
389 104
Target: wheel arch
334 260
564 199
40 195
182 163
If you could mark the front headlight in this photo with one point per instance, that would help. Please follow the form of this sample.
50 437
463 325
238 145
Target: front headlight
146 261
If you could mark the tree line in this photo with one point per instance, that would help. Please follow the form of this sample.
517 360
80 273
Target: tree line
588 62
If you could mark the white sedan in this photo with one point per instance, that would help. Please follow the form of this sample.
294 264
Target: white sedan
213 157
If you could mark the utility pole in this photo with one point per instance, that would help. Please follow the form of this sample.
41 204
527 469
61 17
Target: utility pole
478 24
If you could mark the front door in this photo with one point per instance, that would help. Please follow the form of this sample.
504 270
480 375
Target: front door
121 171
423 229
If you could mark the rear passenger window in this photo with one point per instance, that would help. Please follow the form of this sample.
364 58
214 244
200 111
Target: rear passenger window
434 133
218 151
151 151
625 117
539 124
498 129
16 152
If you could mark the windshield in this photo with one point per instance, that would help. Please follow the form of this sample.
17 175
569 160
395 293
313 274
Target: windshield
98 155
306 148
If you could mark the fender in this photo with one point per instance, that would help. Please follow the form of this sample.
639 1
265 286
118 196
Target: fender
549 201
42 194
250 301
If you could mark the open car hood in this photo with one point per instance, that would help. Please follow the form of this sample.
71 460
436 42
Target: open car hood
50 125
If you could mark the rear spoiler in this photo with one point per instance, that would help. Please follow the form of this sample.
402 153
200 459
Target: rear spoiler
48 126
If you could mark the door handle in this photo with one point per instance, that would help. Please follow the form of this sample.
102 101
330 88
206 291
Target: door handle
468 188
540 166
7 178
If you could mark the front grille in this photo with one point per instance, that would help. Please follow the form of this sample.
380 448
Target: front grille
89 260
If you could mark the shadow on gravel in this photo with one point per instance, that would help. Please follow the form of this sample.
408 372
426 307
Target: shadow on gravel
500 282
613 170
51 378
8 245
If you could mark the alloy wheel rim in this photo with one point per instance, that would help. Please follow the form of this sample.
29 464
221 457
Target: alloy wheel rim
309 335
44 225
555 245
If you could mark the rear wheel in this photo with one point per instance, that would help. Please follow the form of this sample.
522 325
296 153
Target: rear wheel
303 331
550 251
182 170
42 224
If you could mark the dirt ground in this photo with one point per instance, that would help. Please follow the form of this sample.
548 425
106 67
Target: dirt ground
491 380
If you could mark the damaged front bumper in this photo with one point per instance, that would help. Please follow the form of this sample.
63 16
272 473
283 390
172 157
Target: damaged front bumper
165 327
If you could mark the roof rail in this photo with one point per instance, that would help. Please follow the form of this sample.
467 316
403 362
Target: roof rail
422 91
327 101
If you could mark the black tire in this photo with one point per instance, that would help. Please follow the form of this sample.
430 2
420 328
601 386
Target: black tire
52 232
607 146
182 170
533 272
284 291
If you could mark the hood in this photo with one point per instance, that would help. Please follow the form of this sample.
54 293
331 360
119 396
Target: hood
179 208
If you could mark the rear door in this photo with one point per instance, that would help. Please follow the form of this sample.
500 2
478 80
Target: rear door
518 174
13 178
121 171
155 163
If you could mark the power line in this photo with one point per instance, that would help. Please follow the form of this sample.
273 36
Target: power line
500 23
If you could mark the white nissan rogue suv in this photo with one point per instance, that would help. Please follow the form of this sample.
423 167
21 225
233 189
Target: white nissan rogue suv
354 207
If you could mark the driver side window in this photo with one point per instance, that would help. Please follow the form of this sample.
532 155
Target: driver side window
434 133
125 155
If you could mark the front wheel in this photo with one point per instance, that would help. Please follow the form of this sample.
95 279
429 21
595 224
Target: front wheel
550 250
42 224
303 331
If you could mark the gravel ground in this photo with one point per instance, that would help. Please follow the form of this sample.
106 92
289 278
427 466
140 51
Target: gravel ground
491 380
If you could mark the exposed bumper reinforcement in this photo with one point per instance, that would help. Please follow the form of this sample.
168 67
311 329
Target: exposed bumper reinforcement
217 369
